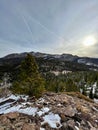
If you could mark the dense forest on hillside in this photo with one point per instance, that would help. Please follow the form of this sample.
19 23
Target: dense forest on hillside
85 82
79 79
45 65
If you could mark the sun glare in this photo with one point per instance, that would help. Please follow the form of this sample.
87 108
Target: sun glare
89 41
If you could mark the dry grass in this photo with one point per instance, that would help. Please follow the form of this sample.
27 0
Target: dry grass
79 95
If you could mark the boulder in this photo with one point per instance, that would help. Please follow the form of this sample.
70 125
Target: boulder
69 111
28 127
12 115
4 119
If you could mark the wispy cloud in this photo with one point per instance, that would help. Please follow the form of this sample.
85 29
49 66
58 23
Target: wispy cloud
53 26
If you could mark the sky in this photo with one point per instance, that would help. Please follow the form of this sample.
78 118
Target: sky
49 26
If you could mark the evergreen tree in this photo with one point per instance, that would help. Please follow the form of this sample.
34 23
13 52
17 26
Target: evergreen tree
91 95
70 86
84 91
29 79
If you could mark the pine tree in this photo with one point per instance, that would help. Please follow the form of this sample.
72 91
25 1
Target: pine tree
91 95
29 79
84 91
70 86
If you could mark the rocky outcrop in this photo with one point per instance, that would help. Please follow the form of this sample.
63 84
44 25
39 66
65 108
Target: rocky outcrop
51 112
17 121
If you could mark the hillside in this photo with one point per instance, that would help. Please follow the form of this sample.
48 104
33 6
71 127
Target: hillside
49 62
66 111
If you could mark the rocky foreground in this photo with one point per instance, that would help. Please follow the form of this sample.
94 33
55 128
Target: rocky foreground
71 111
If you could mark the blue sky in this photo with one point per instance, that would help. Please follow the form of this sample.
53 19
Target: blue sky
51 26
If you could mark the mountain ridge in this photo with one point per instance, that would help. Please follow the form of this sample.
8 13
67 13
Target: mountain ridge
64 57
44 53
49 62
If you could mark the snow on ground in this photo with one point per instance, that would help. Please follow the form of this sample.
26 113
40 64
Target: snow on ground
94 87
52 119
9 107
76 128
43 111
9 97
6 105
95 100
18 108
41 100
42 128
14 97
29 111
14 106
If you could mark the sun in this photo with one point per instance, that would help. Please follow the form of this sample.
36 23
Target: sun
89 41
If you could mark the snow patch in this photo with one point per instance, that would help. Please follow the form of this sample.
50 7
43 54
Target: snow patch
7 107
42 128
52 120
14 97
77 128
20 109
43 111
95 100
94 87
59 105
41 100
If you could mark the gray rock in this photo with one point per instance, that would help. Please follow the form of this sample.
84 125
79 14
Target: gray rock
69 111
65 126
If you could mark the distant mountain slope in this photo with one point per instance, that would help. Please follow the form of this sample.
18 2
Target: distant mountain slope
48 62
62 57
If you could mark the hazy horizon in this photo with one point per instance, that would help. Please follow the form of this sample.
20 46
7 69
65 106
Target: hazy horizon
49 26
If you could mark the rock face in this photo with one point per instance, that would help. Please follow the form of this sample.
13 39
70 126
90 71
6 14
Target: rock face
51 112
